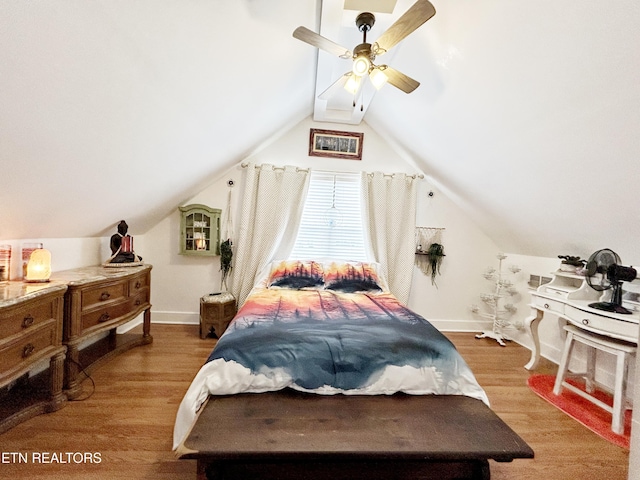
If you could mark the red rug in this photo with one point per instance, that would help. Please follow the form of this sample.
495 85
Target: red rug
591 416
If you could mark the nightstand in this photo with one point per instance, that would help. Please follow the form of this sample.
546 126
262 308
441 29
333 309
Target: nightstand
216 311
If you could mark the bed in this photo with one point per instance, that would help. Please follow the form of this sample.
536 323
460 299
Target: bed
349 379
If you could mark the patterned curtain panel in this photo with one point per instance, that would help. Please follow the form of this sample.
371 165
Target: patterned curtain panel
390 207
269 219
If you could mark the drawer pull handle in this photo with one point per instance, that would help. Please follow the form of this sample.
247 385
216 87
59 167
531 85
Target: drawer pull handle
27 321
28 350
138 302
546 305
585 321
104 317
138 284
105 296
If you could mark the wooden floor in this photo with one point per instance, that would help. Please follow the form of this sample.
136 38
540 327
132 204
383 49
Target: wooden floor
129 418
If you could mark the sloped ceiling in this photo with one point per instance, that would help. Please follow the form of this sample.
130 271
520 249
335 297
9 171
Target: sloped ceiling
117 109
527 115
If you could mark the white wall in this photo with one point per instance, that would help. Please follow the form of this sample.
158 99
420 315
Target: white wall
468 251
66 253
179 281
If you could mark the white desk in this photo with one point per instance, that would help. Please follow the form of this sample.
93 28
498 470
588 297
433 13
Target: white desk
568 296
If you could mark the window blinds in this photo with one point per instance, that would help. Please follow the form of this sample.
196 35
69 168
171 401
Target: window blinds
322 233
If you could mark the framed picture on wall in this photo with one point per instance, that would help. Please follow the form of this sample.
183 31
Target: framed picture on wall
332 143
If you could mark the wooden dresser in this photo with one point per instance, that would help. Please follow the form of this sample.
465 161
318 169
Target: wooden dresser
31 322
99 300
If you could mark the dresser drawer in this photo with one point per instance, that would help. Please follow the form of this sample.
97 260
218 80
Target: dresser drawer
557 292
106 315
28 347
93 297
549 305
600 324
20 319
140 298
139 283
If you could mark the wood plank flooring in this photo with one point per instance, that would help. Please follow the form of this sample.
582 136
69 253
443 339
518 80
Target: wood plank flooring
129 418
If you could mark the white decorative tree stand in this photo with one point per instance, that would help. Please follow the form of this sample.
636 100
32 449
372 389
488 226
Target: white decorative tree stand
499 311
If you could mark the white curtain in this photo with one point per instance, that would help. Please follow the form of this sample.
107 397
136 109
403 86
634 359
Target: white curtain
270 215
390 207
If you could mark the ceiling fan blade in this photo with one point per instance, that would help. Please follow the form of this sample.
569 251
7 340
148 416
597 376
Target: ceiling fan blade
419 13
312 38
399 79
334 87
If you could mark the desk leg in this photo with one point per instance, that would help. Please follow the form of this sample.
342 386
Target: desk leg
531 325
146 326
617 423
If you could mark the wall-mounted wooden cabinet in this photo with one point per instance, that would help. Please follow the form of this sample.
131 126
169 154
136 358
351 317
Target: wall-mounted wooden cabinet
199 230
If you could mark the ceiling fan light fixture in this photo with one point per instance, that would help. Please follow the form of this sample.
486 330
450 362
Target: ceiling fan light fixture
352 84
365 53
361 65
378 77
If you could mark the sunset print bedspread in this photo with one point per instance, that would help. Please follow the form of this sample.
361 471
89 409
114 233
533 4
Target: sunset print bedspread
328 342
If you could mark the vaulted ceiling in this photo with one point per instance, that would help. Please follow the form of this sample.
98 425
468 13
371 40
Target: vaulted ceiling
527 116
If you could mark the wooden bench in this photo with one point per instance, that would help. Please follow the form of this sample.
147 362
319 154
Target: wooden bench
292 435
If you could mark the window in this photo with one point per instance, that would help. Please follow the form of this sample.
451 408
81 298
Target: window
331 225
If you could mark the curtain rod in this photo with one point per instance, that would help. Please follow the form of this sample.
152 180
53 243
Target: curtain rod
414 176
245 165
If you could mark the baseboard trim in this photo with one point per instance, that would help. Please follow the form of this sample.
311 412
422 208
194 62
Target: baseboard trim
193 318
444 325
178 318
460 325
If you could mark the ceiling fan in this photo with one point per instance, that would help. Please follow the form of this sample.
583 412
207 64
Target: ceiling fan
364 54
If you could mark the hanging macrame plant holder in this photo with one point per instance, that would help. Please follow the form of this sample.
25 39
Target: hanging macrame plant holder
226 245
429 251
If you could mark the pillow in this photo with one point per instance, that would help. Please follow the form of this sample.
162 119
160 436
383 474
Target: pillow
352 277
296 275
